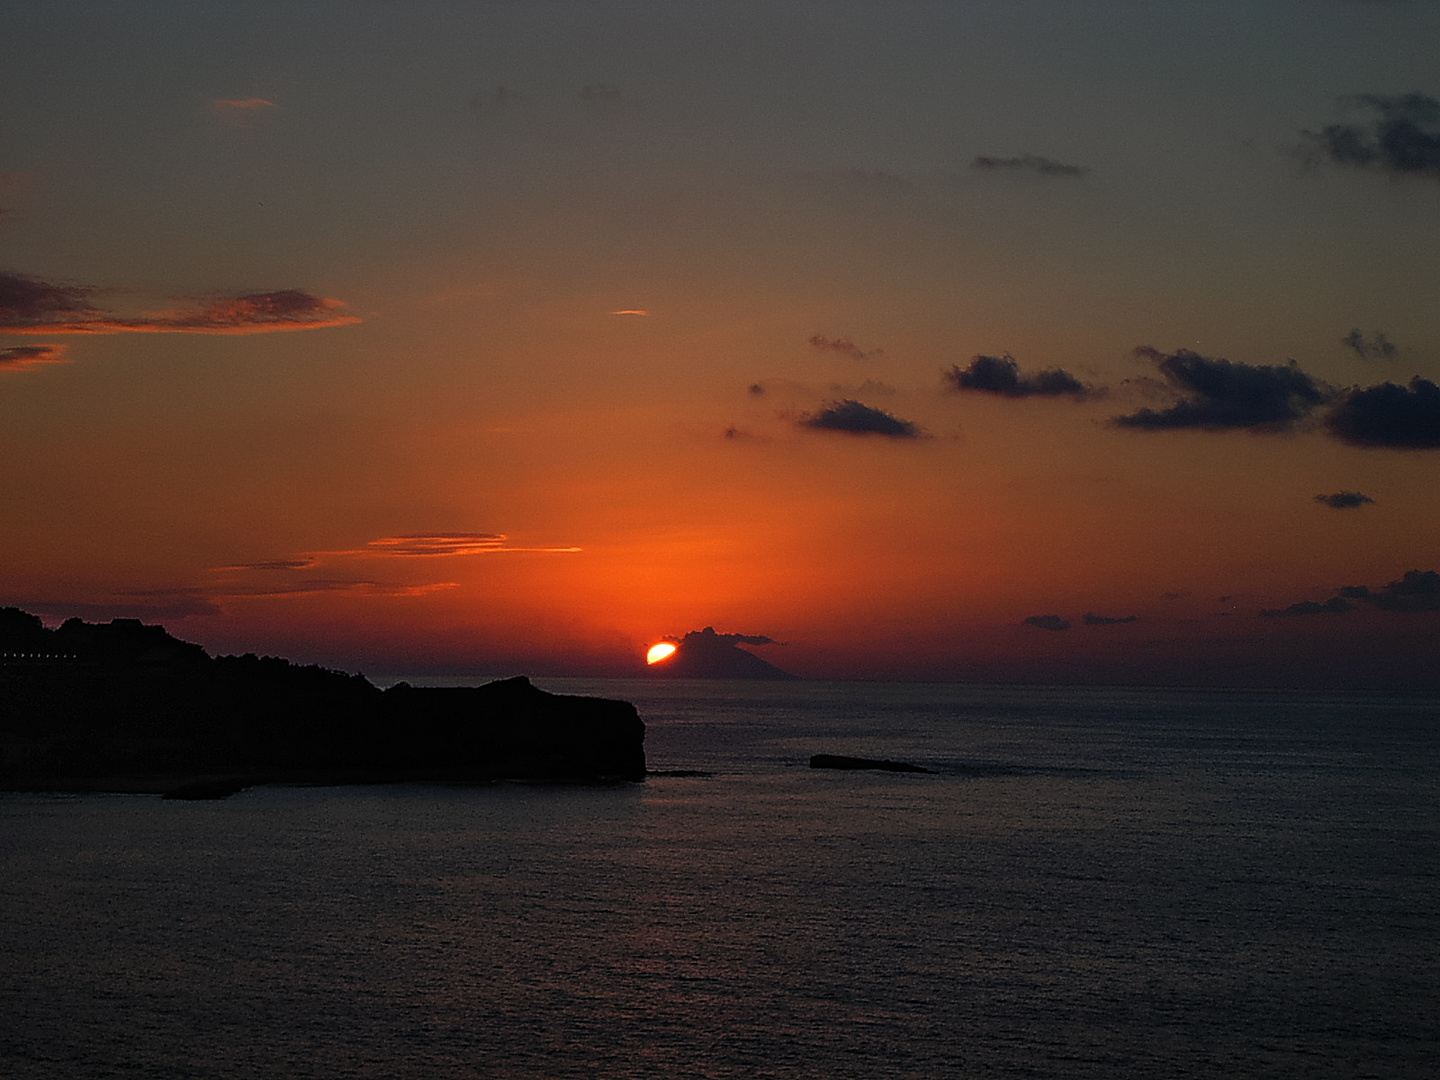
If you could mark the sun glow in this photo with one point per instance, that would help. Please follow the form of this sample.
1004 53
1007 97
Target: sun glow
659 652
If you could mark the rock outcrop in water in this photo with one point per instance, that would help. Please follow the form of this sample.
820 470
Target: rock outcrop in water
127 706
842 761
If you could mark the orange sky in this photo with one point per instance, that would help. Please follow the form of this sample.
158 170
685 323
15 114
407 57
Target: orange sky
595 291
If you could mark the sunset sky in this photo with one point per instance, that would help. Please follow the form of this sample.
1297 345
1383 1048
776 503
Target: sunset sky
1020 340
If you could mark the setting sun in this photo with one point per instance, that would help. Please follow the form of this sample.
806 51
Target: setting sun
659 652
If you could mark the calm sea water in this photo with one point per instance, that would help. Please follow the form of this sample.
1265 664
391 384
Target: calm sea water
1095 883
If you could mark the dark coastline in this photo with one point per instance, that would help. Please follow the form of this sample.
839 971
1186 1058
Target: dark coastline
125 707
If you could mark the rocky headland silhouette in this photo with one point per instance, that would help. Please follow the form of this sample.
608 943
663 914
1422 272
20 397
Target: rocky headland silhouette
126 706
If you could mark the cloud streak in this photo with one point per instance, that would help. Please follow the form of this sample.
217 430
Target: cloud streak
1334 606
1344 500
1041 166
31 306
24 357
1091 619
1048 622
408 546
1000 375
1223 395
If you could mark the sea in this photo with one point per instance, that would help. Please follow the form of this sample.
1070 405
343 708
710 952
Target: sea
1089 882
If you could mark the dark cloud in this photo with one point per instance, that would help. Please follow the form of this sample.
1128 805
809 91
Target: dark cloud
1380 347
28 306
1344 500
25 302
1335 606
1091 619
1220 395
21 357
857 419
1028 163
1418 590
1048 622
844 346
1001 375
1401 137
757 390
1389 416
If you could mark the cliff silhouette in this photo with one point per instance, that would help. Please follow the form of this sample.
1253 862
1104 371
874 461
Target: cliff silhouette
128 706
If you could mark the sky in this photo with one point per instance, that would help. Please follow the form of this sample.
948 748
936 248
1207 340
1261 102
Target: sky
1022 340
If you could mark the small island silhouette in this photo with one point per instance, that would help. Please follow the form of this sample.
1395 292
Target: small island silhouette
704 654
126 706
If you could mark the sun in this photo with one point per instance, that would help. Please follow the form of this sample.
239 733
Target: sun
659 652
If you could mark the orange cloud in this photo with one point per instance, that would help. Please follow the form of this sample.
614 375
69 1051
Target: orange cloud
630 311
30 306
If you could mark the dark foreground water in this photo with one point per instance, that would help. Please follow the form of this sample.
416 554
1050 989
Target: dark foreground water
1095 884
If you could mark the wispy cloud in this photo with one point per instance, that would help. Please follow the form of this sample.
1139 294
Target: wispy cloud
436 544
409 546
1389 416
316 586
270 564
281 577
630 311
1333 606
1091 619
23 357
1221 395
1379 347
1032 163
856 419
845 347
31 306
1000 375
1401 136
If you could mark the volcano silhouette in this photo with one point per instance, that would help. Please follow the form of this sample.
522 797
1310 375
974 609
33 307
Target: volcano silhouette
704 654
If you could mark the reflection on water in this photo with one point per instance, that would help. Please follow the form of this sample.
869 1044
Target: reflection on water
1096 884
